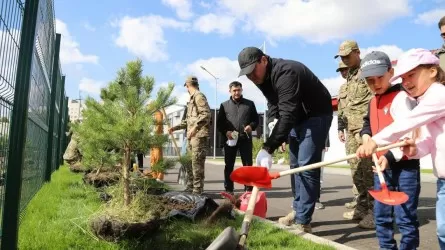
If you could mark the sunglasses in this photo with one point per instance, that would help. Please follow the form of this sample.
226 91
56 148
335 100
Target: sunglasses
442 35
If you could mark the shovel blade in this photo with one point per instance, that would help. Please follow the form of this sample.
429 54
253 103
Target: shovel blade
392 198
226 240
252 176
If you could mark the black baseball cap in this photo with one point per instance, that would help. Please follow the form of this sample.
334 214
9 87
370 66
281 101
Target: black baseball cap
247 59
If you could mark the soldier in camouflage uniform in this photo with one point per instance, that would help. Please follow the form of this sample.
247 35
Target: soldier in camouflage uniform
342 102
197 125
358 97
441 52
72 153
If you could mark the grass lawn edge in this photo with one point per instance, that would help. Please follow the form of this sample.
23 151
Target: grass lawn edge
294 230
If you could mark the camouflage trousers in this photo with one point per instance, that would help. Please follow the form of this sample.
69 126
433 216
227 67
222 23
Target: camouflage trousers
351 148
361 171
197 146
72 154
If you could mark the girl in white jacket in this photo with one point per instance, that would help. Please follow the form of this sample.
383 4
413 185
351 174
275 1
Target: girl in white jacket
423 79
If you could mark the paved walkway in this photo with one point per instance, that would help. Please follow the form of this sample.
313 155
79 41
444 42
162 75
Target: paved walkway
328 223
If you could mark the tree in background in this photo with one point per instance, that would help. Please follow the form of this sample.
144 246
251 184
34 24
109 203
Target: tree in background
122 122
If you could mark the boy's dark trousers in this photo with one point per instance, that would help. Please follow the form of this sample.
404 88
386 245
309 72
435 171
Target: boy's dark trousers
404 180
244 145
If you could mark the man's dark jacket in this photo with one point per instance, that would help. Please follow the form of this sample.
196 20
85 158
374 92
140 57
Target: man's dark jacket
294 94
235 115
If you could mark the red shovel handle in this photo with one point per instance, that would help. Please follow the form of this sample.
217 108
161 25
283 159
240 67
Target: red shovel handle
274 175
385 196
379 171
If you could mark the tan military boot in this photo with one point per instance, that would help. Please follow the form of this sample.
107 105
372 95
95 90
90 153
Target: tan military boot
188 189
367 222
352 204
288 219
305 228
197 191
354 215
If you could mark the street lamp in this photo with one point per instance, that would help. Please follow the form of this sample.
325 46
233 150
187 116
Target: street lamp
216 105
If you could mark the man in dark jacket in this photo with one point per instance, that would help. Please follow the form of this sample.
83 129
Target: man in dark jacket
237 114
302 102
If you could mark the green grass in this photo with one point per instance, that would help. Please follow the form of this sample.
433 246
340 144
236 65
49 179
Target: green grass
57 218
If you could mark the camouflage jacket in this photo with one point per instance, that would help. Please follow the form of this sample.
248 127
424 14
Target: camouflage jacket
198 116
441 54
358 97
342 101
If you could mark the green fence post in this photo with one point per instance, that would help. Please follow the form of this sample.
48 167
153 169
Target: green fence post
61 120
52 110
18 127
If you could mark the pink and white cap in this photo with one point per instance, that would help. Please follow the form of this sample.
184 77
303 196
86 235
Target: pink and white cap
411 59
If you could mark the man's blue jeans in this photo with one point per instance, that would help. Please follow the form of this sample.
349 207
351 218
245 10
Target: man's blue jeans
440 212
307 147
405 180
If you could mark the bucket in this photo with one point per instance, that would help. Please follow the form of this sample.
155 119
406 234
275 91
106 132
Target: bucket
260 206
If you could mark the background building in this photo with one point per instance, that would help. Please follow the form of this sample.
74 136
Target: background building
75 107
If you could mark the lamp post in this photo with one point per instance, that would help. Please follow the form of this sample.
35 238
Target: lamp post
216 104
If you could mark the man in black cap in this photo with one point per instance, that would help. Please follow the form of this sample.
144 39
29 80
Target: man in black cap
302 102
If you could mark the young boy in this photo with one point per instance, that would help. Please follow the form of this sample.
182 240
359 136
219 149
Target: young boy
401 175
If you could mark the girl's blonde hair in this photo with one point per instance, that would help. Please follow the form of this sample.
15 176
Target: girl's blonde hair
440 76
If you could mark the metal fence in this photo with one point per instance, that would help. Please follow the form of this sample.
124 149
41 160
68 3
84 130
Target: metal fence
33 107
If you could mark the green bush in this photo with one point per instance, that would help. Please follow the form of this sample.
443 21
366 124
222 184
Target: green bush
258 143
163 165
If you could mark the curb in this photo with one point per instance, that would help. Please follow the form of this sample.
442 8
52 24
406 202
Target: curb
294 230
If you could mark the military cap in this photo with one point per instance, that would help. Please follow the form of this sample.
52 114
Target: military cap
191 79
341 65
346 47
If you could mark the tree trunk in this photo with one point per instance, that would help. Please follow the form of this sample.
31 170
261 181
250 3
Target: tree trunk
125 178
100 167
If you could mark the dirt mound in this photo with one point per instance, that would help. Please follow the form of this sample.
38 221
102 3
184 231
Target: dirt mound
102 179
115 230
78 168
165 205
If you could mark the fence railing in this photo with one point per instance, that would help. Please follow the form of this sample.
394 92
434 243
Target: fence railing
33 107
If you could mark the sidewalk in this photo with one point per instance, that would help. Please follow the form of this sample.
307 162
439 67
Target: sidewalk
328 223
